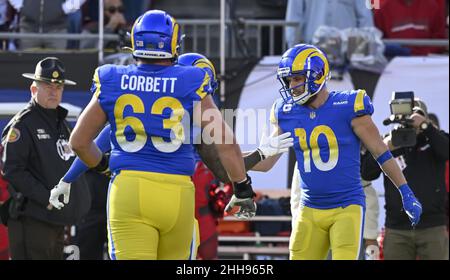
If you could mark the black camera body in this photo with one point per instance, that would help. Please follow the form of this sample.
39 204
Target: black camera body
402 104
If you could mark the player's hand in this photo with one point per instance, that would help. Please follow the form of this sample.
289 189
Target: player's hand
273 145
411 204
62 188
243 197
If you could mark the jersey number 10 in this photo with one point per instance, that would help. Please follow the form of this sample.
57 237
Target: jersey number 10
313 147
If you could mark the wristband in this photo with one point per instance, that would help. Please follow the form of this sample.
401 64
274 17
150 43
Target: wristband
384 157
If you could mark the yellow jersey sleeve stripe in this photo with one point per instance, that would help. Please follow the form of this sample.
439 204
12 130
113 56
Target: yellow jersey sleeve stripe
359 100
97 83
201 90
203 63
273 117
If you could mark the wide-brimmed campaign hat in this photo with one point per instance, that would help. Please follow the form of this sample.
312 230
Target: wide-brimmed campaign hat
50 70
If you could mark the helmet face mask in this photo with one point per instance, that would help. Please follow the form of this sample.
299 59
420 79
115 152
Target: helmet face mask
155 35
295 93
302 60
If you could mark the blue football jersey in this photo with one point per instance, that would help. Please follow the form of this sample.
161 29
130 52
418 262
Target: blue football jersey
327 149
150 109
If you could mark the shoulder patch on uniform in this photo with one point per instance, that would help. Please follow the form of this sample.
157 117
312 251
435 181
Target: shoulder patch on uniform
13 135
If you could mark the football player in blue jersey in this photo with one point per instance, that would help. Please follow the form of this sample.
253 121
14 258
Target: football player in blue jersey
269 145
328 128
151 196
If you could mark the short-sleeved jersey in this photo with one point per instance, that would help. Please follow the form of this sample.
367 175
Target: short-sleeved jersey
150 109
327 149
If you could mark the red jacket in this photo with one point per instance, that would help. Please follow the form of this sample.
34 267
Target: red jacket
422 19
202 179
3 231
3 184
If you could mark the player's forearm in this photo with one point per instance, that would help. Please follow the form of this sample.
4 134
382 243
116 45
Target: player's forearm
387 163
231 158
252 158
229 152
393 171
267 164
209 155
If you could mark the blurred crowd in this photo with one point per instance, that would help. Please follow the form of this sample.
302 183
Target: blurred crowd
396 19
393 19
65 16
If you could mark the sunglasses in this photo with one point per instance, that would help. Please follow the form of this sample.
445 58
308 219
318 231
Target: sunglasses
113 9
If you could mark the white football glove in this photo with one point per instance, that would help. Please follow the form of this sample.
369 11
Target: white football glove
61 188
274 145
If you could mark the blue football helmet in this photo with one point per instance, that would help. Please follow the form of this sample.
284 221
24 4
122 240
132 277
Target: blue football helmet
155 35
198 60
303 60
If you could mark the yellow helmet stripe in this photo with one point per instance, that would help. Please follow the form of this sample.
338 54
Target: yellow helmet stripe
204 63
132 34
300 59
327 67
175 28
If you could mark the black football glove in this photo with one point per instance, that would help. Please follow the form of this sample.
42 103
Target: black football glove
243 197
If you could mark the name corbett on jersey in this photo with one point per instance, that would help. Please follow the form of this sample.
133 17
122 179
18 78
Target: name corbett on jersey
146 83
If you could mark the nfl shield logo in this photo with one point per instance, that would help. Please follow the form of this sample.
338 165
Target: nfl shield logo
312 115
161 45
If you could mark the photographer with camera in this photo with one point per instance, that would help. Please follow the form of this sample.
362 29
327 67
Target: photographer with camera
421 150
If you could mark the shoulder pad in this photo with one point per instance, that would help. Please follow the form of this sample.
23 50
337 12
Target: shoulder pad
201 80
362 104
274 110
101 74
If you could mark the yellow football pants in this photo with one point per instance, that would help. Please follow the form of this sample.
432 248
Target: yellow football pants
151 216
317 230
